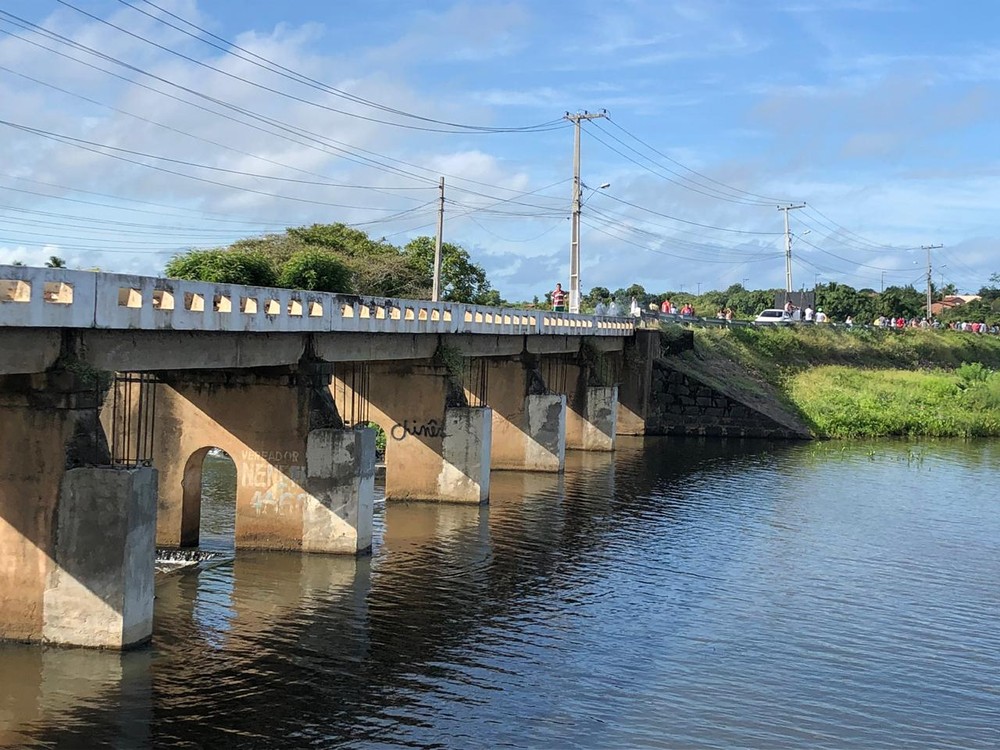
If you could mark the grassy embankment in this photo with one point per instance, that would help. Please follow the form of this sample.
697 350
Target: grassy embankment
862 383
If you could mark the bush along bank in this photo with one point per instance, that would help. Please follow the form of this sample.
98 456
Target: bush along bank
853 384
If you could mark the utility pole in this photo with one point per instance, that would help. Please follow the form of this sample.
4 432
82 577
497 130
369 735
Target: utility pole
883 283
436 290
574 242
928 248
788 245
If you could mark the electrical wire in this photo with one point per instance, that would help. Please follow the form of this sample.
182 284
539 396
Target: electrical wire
692 171
285 94
264 63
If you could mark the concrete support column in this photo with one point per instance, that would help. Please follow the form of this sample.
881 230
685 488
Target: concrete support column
437 448
303 482
340 491
545 432
637 380
76 534
99 590
529 424
465 455
595 420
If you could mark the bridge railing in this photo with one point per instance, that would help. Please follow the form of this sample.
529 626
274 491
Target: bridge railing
61 298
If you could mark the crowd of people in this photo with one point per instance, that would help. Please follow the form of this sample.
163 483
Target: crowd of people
610 307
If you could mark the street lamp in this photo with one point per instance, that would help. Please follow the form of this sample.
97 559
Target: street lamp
574 245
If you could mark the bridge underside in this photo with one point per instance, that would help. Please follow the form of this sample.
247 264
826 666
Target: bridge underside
78 525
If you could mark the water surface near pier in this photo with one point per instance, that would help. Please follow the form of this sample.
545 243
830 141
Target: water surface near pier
681 594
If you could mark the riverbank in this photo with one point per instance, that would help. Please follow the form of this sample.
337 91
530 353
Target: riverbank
860 383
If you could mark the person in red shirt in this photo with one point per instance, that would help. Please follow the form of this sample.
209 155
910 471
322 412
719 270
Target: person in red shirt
558 299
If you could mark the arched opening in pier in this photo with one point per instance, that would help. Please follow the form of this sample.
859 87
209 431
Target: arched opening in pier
209 519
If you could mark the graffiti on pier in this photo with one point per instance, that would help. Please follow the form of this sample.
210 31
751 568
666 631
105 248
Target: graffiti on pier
277 486
430 428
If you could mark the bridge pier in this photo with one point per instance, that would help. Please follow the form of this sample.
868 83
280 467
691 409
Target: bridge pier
437 447
76 534
591 410
529 423
303 481
592 424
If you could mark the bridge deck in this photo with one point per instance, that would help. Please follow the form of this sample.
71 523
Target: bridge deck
61 298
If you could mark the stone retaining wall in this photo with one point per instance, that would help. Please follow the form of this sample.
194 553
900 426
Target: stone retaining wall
682 405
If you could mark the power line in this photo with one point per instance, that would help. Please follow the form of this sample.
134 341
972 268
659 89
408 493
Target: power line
716 195
285 94
273 67
686 221
730 188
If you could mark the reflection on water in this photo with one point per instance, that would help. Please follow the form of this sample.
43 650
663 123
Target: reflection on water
684 594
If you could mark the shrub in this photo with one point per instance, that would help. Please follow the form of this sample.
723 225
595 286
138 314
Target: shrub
317 271
223 267
380 439
972 372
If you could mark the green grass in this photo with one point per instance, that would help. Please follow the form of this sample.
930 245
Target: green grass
845 402
866 383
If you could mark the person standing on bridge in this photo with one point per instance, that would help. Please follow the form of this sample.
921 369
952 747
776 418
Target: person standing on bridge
558 299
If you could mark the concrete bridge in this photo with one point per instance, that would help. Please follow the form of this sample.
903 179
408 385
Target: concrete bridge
113 388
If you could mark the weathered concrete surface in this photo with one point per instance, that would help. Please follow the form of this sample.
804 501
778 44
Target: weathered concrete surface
28 350
529 429
373 347
437 448
340 466
598 420
637 377
408 401
552 344
99 589
465 453
151 351
76 535
479 345
296 488
50 424
546 431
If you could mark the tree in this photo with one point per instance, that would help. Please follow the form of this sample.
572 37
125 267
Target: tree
224 267
596 294
902 301
316 270
840 300
377 267
992 291
55 261
461 279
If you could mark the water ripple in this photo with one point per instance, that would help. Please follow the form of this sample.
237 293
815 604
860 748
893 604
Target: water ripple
685 594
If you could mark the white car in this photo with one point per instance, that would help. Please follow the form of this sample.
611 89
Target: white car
774 317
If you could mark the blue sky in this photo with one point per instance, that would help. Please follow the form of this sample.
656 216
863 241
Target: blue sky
878 114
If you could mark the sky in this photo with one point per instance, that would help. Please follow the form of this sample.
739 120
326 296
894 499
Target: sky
133 130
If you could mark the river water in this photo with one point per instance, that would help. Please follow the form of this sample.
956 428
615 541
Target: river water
682 594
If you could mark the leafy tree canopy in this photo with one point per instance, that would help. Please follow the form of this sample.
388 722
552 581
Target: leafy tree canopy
224 267
316 270
461 279
902 301
316 257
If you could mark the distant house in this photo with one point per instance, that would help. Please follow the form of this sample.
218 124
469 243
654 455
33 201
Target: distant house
952 301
